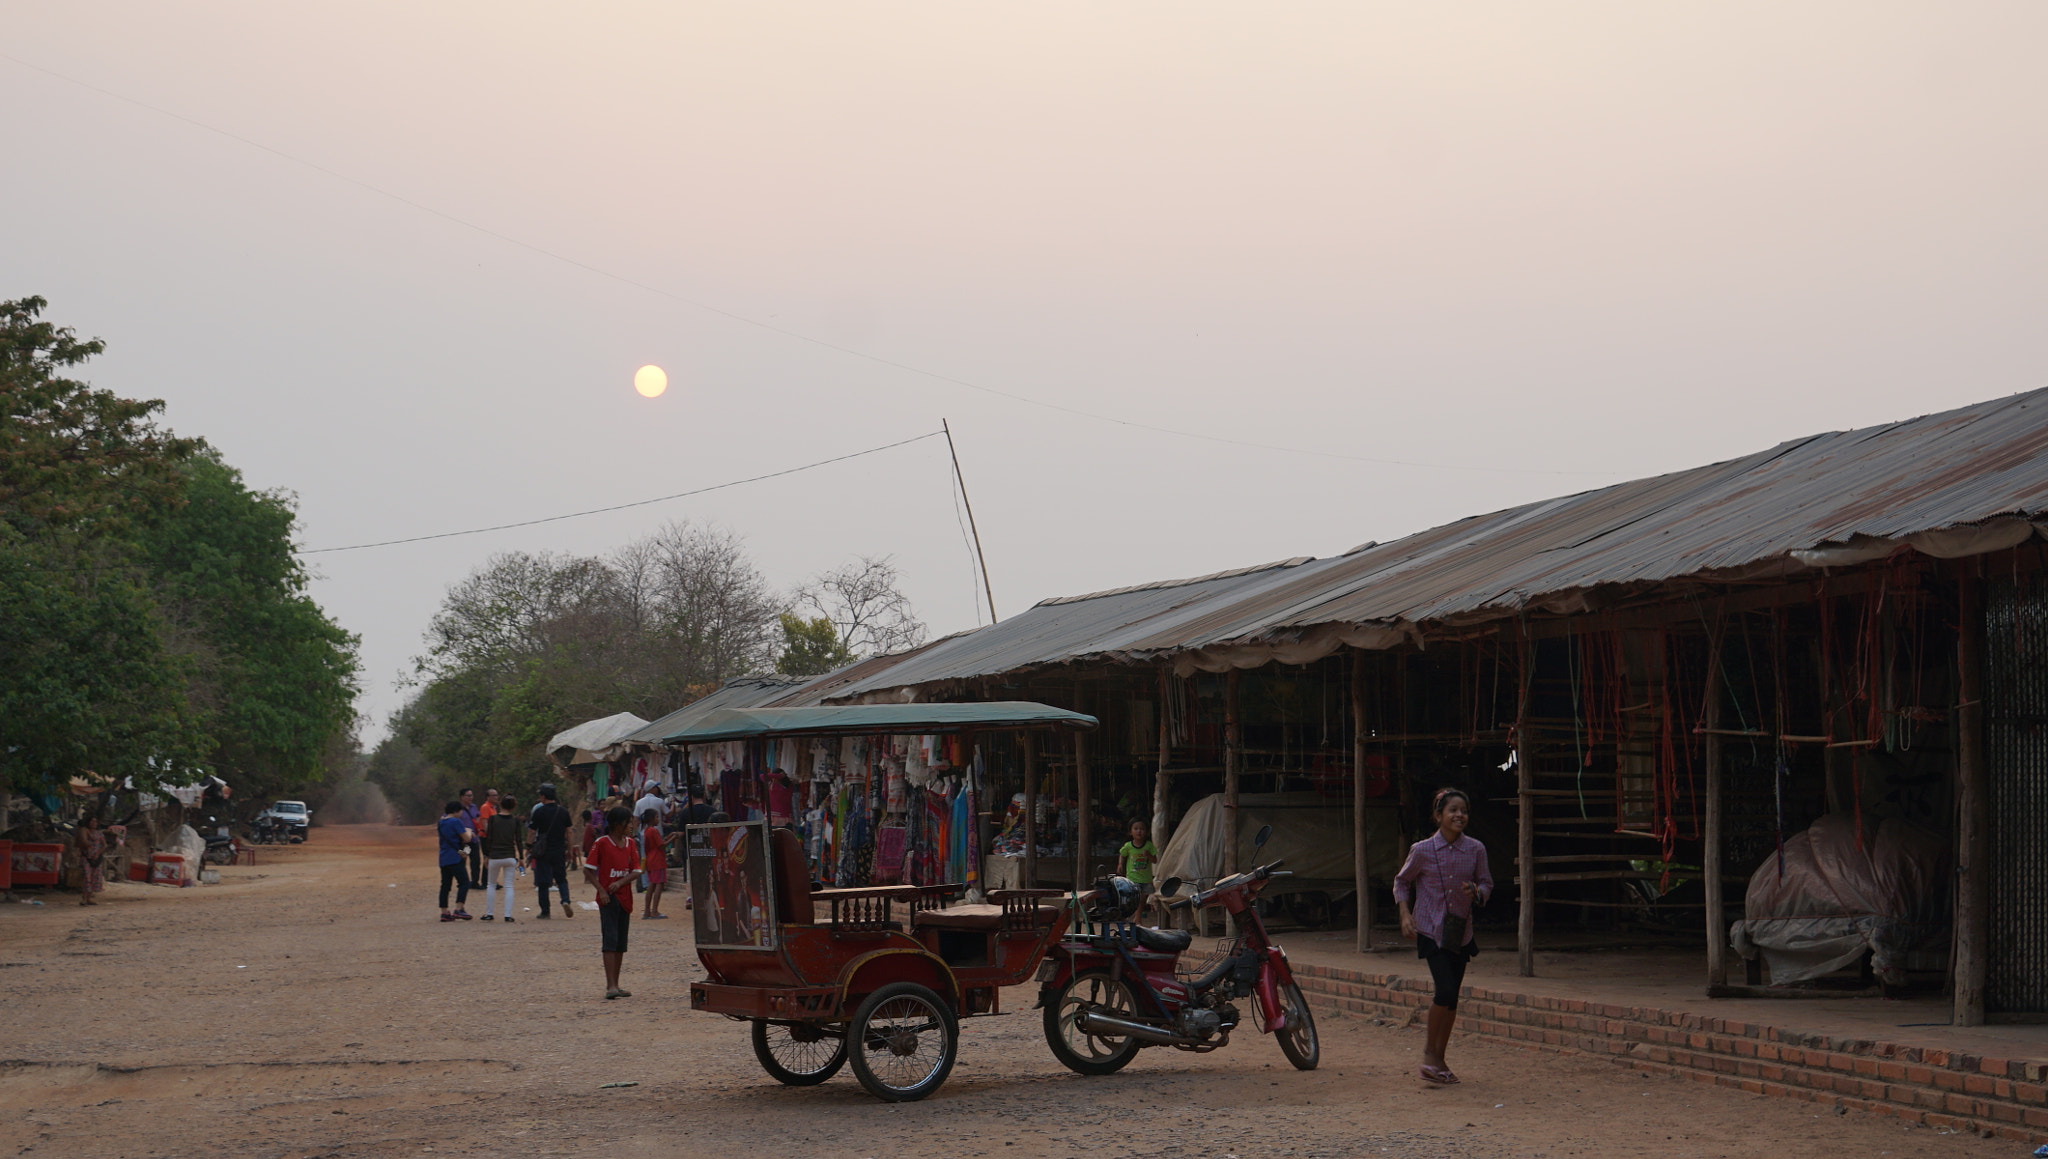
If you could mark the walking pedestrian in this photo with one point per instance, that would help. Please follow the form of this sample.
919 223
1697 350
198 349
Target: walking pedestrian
610 867
551 850
1445 876
472 817
455 836
92 845
504 843
654 862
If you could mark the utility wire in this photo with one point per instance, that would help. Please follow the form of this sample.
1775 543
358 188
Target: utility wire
625 506
786 332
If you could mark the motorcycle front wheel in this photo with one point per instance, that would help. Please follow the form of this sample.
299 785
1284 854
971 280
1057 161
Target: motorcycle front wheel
1078 1050
1298 1038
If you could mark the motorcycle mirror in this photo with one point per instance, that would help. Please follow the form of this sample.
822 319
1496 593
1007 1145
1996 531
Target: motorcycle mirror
1264 835
1169 887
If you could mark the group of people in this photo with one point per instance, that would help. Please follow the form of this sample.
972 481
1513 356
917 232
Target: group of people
486 846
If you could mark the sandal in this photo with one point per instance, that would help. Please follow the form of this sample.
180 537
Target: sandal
1441 1076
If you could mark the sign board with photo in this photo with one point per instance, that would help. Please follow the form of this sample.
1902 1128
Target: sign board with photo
732 885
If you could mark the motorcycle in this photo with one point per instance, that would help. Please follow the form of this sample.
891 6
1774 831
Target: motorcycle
269 831
220 847
1108 995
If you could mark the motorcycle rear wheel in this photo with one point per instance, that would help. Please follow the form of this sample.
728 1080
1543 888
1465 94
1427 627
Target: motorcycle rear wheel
1298 1039
1077 1050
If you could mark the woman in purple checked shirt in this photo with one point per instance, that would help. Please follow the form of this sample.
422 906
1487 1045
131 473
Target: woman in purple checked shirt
1444 878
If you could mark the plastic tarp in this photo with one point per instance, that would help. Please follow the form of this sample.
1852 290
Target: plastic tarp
1314 836
1834 901
593 740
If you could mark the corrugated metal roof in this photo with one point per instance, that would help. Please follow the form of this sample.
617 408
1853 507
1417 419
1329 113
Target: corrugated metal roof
739 692
1739 518
872 719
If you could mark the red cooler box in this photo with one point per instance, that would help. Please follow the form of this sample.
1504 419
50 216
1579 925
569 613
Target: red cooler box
37 863
6 864
167 869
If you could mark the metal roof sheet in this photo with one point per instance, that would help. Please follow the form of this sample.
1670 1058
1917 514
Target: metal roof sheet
871 719
739 692
1738 518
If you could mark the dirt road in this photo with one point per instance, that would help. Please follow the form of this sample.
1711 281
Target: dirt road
313 1006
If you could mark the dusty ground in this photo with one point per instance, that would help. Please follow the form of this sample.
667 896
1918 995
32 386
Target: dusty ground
312 1006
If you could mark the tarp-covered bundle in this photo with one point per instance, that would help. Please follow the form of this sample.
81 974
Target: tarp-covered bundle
594 740
1311 833
1833 901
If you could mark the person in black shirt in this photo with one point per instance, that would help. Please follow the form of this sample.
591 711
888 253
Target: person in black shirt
551 850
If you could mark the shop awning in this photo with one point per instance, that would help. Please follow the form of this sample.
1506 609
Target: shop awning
875 720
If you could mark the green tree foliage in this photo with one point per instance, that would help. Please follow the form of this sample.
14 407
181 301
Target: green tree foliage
153 620
810 647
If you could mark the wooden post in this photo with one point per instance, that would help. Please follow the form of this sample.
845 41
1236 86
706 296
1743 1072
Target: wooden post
1231 758
1717 912
1525 825
1084 802
1030 810
1362 884
1161 783
1973 814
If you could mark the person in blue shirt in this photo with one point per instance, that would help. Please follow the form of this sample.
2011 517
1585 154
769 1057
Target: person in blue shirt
455 833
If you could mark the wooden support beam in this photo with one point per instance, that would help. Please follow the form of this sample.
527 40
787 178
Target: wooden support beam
1233 743
1364 887
1084 801
1973 813
1717 908
1030 809
1525 823
1162 784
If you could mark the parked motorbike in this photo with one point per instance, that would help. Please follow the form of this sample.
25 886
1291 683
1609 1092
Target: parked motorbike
220 847
268 831
1108 995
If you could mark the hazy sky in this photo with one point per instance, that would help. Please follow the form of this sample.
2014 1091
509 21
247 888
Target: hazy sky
1521 249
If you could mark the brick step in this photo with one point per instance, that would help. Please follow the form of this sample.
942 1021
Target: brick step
1938 1088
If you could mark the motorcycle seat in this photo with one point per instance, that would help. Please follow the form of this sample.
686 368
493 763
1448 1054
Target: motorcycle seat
1165 941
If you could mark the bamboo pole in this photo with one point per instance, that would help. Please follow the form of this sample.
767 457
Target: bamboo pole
1231 744
1364 887
1973 865
1030 810
1717 911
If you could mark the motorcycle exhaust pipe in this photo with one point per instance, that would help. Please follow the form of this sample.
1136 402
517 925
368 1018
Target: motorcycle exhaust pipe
1096 1022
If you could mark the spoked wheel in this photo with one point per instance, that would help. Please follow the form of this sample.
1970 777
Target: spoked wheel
1298 1038
798 1054
1077 1049
903 1040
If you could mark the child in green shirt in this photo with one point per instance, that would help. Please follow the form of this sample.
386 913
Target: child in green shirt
1135 859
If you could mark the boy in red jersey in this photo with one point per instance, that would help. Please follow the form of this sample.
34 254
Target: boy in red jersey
613 863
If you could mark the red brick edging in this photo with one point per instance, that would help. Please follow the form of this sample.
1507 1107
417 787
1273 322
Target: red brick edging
1939 1088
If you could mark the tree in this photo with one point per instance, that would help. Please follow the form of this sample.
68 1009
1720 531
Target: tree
810 647
153 616
532 643
862 601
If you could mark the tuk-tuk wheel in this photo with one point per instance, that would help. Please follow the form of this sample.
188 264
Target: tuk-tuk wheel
903 1039
798 1056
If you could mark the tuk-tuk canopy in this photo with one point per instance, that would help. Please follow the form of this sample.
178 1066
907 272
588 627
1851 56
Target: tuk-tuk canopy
875 720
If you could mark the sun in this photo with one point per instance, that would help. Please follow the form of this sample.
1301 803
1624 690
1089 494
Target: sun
650 381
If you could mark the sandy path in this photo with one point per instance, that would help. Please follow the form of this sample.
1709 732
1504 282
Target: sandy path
312 1006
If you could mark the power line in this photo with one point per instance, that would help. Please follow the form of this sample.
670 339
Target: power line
625 506
786 332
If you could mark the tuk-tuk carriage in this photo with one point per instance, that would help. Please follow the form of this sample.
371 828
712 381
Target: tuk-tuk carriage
883 975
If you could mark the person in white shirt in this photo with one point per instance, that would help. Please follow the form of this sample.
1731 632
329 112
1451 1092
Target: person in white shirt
655 800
